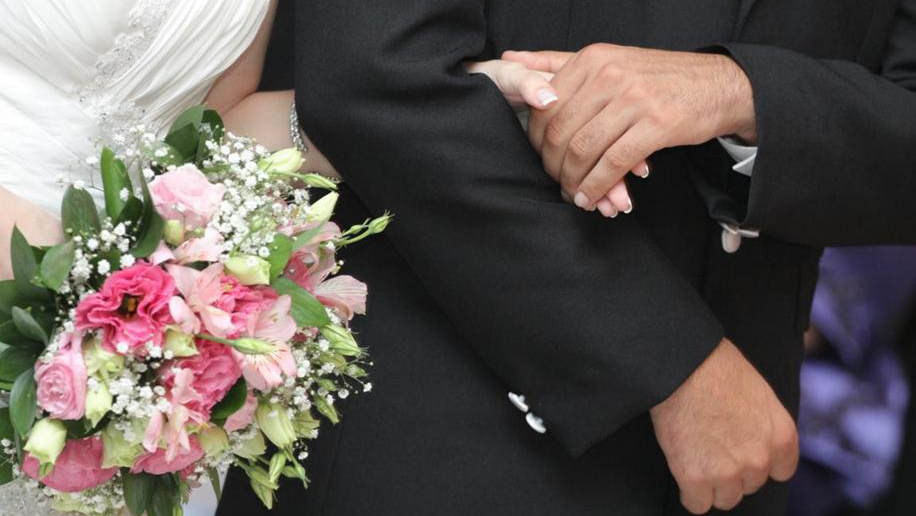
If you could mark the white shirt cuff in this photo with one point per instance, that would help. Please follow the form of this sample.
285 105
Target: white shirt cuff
743 154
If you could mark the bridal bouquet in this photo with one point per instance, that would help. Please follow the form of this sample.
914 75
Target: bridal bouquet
195 322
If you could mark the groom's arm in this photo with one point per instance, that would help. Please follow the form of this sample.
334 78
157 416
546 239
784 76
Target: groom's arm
587 318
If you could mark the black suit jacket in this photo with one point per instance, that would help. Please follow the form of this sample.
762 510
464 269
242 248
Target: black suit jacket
486 282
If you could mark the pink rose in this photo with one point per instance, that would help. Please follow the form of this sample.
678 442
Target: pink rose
214 369
184 194
243 416
62 380
157 463
78 468
132 308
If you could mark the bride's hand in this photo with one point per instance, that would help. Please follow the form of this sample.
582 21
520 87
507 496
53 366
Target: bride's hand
524 87
520 85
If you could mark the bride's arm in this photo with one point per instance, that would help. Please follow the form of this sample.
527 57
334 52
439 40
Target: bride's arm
261 115
37 225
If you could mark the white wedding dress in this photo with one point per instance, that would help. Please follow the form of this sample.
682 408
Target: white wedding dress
75 72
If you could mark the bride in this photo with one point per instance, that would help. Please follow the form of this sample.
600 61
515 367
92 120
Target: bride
77 74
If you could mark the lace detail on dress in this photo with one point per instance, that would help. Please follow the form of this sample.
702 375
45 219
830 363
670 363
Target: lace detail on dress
144 23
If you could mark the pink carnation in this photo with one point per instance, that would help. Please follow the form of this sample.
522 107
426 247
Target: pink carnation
184 194
157 463
214 369
79 467
132 307
62 380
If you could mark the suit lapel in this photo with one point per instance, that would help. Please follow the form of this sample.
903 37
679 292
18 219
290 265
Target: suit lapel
744 10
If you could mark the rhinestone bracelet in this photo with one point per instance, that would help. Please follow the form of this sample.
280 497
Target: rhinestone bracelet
295 132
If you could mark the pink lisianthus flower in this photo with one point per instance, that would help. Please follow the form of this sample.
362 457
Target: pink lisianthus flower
276 326
243 416
206 248
200 291
159 462
185 194
214 369
79 467
132 308
62 380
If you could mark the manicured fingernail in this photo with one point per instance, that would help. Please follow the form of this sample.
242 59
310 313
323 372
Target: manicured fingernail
546 97
605 207
645 172
629 207
565 196
581 200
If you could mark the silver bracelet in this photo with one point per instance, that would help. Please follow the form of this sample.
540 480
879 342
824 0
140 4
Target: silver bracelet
295 131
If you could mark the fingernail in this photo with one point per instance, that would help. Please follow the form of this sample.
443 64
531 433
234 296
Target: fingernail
547 97
629 207
646 171
565 196
606 208
581 200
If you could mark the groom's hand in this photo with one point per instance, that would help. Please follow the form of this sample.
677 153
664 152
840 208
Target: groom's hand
724 433
617 105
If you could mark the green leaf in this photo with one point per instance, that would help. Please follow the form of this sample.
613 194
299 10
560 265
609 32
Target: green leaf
22 402
78 213
138 490
56 265
214 481
280 251
212 118
192 116
231 403
7 296
302 239
165 498
151 226
25 268
306 309
6 432
326 409
29 326
13 361
6 425
131 212
184 140
115 179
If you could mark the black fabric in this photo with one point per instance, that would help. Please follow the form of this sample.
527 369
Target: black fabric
486 282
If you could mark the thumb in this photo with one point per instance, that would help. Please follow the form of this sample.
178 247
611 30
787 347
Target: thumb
544 61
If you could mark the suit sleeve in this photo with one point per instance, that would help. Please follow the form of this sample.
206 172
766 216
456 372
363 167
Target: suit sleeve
836 162
584 316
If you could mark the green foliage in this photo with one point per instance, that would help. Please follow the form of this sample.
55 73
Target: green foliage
6 432
149 233
280 251
306 310
231 403
138 490
78 213
115 179
56 264
25 268
29 327
15 361
23 402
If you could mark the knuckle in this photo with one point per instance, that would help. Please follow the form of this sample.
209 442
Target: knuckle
582 147
610 72
615 160
554 133
594 50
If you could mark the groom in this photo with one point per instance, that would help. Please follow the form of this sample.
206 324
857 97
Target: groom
651 370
